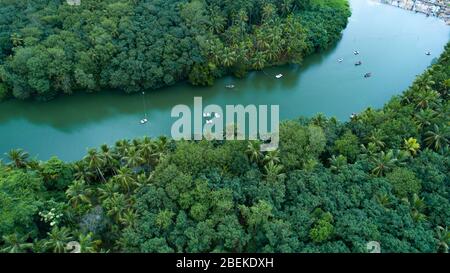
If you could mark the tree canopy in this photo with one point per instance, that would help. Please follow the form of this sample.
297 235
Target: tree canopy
331 187
49 47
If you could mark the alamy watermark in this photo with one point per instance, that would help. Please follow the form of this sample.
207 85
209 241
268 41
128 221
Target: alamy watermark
241 123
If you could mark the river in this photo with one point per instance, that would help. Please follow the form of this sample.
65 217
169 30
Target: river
392 44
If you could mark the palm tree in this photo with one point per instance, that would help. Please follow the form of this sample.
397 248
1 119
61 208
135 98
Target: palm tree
107 190
383 163
58 239
437 138
87 244
95 162
18 158
15 244
254 151
418 206
122 147
115 205
108 157
377 137
228 57
424 99
273 171
424 118
78 193
129 218
133 158
125 179
411 145
216 21
443 236
272 156
337 163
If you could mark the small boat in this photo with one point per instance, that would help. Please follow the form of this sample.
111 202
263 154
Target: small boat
144 121
340 60
356 52
230 86
428 53
368 75
279 76
358 63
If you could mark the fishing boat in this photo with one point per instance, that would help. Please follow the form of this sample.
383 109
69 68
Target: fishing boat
144 121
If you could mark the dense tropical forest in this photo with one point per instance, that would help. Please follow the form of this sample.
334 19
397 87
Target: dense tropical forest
331 187
48 47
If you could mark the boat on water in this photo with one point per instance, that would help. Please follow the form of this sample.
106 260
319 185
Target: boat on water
358 63
230 86
368 75
340 60
428 53
143 121
279 76
356 52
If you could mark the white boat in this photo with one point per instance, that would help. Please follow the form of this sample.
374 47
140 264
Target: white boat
144 121
230 86
279 76
340 60
428 53
356 52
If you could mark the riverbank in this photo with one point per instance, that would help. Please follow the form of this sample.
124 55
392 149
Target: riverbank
436 8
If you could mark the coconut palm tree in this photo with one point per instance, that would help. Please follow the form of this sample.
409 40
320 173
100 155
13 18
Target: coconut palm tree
272 156
95 162
337 163
254 151
18 158
109 158
383 163
125 179
443 236
437 138
411 145
78 193
377 137
108 189
133 158
58 239
15 244
273 171
115 206
87 243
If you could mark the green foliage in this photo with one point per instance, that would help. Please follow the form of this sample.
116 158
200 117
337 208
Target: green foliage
330 187
404 182
135 45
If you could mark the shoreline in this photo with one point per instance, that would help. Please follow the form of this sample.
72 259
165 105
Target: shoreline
435 8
